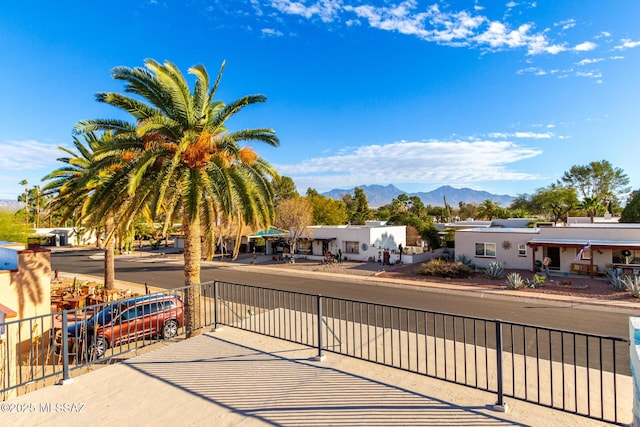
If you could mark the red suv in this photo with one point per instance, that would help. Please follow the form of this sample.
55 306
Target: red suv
125 321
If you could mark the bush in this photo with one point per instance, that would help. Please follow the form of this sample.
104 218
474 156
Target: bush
616 279
515 281
466 261
633 284
440 268
495 270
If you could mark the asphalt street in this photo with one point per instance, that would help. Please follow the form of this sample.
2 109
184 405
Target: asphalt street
169 275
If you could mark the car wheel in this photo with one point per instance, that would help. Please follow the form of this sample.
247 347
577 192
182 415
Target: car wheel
170 329
98 348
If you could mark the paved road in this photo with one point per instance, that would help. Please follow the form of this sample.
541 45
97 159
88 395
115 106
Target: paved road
169 275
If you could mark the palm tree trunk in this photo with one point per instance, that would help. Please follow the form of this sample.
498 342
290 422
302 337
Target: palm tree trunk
192 257
109 253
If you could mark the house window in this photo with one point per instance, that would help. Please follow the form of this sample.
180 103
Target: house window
626 256
522 249
304 247
486 250
352 247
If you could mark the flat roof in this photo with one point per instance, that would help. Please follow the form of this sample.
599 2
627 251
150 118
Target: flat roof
583 242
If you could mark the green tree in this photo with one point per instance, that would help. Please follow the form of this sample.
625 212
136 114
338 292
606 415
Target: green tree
599 181
488 209
631 212
284 188
12 228
180 153
74 184
357 206
326 211
554 202
26 200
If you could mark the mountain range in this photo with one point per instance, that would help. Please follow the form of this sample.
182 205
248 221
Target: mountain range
379 195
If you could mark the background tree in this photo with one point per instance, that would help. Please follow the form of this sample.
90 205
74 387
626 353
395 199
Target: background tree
554 202
488 210
12 227
357 206
598 181
26 200
294 215
631 212
284 188
467 210
326 211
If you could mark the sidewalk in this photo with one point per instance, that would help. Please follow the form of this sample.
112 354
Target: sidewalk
236 378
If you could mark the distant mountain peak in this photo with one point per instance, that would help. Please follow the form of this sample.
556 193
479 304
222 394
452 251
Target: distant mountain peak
379 195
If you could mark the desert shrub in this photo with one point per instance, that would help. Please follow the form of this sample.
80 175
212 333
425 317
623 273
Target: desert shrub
466 261
495 270
440 268
515 281
615 277
633 284
537 281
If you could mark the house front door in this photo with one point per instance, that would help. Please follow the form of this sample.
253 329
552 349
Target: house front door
554 254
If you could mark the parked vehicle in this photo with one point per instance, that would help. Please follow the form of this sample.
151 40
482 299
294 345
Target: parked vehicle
121 322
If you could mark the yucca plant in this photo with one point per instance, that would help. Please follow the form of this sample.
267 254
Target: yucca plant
463 259
633 284
495 270
515 281
615 277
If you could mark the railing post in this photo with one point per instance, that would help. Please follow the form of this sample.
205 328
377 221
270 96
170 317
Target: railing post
65 350
215 305
320 357
500 405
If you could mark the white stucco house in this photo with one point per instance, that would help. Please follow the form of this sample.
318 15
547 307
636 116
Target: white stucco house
579 248
369 242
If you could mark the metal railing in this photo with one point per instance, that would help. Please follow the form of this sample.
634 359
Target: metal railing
584 374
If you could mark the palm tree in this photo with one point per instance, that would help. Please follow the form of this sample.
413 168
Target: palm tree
179 153
73 186
26 200
488 209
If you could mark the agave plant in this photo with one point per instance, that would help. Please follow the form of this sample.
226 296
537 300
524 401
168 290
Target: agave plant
633 284
495 270
515 281
615 277
463 259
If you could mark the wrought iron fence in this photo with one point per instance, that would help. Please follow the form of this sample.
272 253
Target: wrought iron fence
583 374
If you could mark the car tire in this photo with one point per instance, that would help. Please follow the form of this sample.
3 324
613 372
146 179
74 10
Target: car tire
169 329
98 348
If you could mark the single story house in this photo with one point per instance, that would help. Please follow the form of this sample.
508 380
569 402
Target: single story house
375 241
578 248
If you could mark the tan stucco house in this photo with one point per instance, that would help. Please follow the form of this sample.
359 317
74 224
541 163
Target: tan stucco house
579 248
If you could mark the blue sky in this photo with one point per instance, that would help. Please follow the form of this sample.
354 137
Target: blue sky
491 95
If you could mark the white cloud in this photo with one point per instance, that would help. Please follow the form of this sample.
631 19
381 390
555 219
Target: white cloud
584 47
326 10
531 135
28 155
271 32
627 44
431 162
460 28
589 61
566 24
590 74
